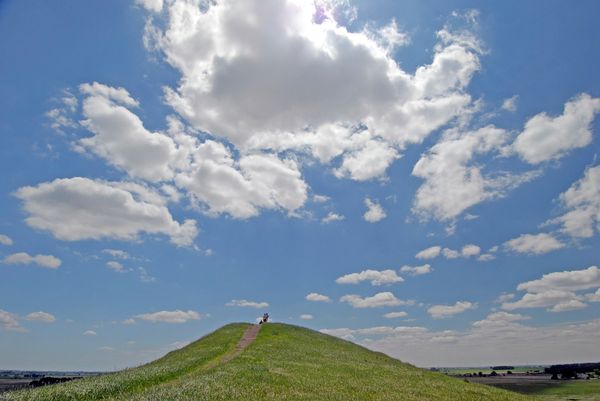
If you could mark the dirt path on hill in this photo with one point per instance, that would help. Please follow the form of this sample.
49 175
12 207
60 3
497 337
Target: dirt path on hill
247 339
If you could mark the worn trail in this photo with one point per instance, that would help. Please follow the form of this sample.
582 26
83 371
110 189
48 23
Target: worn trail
247 339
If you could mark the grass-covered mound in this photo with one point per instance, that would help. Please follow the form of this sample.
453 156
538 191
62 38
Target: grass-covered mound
284 363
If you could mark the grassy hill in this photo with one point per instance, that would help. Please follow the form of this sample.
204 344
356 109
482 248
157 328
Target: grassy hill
284 363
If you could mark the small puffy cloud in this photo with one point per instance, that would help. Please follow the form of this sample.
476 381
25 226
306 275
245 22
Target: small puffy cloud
557 291
510 104
504 297
378 300
534 244
429 253
144 276
394 315
374 276
128 322
106 349
416 270
343 333
470 250
116 266
247 304
306 317
79 208
9 321
320 198
331 217
175 317
47 261
445 311
117 253
90 333
374 211
315 297
545 138
499 320
450 253
582 203
5 240
568 280
486 257
40 317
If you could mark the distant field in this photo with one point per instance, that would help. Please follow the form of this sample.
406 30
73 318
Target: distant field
544 388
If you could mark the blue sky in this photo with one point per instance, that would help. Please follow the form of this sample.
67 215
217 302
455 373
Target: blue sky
172 167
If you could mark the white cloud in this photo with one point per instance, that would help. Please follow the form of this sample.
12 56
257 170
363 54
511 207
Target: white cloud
582 202
106 349
90 333
242 188
450 253
374 276
151 5
470 250
453 182
245 303
416 270
504 297
378 300
80 208
534 244
499 320
545 138
306 317
394 315
116 266
117 253
144 276
445 311
331 217
9 321
374 211
120 137
129 322
557 291
510 104
568 280
486 257
320 198
41 317
315 297
225 61
175 317
429 253
47 261
5 240
595 297
433 252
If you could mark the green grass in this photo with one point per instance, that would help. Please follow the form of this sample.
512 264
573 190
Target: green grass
284 363
580 390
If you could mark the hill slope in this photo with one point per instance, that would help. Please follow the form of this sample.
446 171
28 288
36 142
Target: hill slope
284 363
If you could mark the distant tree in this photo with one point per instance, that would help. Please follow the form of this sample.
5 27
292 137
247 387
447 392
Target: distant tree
554 376
509 372
493 373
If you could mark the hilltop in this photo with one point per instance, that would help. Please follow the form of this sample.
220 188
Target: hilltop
284 363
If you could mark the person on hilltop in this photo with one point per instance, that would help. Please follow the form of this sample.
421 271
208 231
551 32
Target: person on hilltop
265 318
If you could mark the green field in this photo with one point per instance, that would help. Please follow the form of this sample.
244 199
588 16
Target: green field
574 390
284 363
